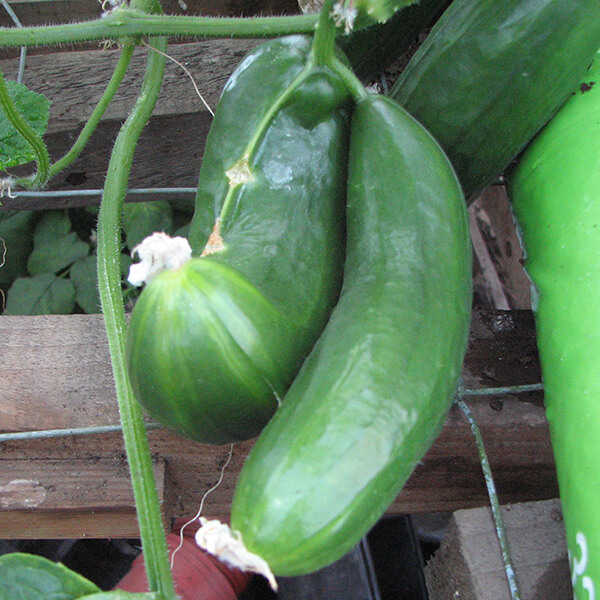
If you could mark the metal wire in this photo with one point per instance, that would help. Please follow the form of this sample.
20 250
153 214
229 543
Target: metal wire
497 391
48 433
511 577
98 192
17 22
53 433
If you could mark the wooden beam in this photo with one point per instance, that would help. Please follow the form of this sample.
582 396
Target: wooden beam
71 499
54 374
170 150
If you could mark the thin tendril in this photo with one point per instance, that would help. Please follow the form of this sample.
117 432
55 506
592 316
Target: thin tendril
197 515
187 72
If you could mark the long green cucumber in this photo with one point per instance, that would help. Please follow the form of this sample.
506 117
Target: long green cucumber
214 344
555 192
491 74
374 392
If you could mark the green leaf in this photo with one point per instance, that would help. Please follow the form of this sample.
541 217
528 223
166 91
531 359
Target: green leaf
52 224
43 294
16 243
370 12
84 277
57 254
14 150
141 219
55 246
30 577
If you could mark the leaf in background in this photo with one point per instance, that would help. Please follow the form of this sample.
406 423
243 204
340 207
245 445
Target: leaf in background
57 255
43 294
35 108
141 219
16 232
30 577
52 224
83 275
55 246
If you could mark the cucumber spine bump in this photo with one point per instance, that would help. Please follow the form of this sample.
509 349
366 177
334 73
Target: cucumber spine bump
375 390
213 345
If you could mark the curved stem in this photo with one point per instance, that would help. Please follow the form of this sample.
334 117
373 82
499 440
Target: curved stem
109 283
30 135
323 52
356 89
124 21
243 163
92 123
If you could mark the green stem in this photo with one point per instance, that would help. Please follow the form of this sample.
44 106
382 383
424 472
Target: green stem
356 89
495 503
243 163
92 123
123 22
30 135
109 282
323 47
323 52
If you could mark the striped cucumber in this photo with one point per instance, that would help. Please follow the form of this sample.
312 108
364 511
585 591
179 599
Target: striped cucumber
215 343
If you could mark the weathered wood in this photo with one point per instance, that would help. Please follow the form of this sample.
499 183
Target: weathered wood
499 278
168 155
75 81
170 150
54 373
71 499
469 566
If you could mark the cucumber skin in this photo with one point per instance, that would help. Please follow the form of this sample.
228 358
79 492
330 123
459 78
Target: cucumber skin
284 248
287 238
374 392
222 340
491 74
555 192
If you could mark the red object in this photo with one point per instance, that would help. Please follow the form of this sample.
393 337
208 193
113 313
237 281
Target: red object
197 575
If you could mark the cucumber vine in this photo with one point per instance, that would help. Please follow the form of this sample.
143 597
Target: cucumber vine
142 22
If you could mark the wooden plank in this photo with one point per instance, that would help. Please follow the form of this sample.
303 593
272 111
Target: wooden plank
170 150
54 373
75 81
71 498
499 273
169 155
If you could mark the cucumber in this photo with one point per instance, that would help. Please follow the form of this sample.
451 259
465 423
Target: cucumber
375 390
214 344
555 191
491 74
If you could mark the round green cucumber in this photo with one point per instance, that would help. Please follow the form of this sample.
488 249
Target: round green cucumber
375 390
269 220
555 191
